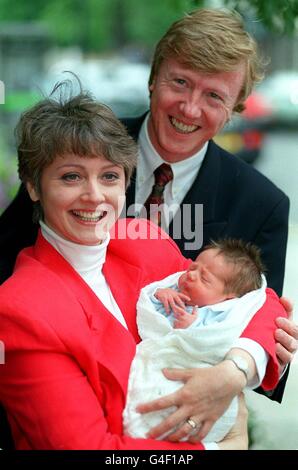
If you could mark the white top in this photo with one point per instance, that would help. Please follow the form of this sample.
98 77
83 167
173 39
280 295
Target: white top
87 262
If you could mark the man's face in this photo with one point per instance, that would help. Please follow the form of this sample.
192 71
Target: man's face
188 107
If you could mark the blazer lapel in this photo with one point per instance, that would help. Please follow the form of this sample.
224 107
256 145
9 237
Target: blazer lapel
124 280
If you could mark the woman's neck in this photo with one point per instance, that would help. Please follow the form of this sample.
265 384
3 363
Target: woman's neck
82 258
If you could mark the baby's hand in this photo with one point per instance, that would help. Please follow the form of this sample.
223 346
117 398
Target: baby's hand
185 319
171 300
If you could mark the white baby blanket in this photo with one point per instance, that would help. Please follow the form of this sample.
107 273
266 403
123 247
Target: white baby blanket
197 346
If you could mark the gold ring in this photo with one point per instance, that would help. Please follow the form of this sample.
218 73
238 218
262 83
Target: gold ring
192 423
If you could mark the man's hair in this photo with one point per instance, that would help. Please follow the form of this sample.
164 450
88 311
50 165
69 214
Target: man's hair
64 123
211 41
247 266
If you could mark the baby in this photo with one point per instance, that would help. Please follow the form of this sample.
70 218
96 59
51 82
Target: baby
191 319
222 271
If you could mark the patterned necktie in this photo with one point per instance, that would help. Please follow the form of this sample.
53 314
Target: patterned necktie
163 175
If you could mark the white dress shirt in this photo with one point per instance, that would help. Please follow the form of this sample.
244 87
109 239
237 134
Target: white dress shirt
184 173
87 261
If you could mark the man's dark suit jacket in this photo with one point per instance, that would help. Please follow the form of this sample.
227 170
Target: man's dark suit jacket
238 202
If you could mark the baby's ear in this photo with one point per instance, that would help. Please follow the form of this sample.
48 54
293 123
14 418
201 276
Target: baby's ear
32 191
231 295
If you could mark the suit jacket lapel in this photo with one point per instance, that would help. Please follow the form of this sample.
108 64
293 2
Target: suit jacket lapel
203 191
204 188
124 280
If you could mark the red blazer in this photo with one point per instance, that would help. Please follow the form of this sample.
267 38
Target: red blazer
67 358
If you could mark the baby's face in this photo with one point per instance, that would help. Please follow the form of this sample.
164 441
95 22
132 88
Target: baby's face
204 281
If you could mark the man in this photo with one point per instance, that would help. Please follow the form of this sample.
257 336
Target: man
201 74
203 70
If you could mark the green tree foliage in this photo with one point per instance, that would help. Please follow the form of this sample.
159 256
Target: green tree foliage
278 15
147 20
74 22
102 25
19 10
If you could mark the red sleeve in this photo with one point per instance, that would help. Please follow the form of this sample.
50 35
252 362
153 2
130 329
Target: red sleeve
261 329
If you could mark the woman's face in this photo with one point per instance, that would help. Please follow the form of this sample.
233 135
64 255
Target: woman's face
81 197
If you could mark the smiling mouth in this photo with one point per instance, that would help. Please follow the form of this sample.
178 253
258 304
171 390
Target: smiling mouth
182 127
86 216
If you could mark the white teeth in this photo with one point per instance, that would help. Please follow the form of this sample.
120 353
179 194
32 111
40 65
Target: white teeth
88 216
183 127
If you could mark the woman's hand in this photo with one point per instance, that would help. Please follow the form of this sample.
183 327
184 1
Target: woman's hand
237 438
206 394
286 336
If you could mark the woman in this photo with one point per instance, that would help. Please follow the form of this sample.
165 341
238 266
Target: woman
67 314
